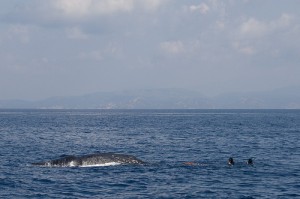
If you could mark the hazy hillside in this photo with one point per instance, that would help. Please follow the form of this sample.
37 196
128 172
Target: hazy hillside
285 98
166 99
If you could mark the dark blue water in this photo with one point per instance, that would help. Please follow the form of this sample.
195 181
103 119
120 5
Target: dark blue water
163 138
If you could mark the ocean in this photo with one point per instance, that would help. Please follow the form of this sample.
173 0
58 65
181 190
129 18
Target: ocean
165 140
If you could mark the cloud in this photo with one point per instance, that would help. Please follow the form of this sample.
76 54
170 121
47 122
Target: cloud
74 8
284 21
202 8
76 33
248 50
256 37
110 50
244 49
19 32
87 8
255 28
66 11
172 47
92 55
137 37
151 4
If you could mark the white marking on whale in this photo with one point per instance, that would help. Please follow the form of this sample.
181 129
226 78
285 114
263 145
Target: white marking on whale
92 160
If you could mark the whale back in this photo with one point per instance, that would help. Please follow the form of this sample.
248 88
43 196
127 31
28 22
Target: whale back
61 162
97 159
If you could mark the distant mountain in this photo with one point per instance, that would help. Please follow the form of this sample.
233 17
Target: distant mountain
137 99
287 98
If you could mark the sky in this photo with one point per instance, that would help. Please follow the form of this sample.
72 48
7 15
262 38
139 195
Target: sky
74 47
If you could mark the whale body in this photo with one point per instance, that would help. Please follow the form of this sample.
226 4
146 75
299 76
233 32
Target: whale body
97 159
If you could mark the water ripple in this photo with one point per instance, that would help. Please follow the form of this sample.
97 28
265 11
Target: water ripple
166 139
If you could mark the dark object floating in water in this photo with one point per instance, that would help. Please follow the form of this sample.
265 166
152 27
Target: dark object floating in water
97 159
230 161
250 161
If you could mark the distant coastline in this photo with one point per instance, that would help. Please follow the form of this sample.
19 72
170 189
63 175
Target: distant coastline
287 98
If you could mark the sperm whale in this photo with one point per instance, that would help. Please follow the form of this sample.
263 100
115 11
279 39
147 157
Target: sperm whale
97 159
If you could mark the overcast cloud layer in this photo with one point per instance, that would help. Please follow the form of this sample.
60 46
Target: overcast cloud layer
73 47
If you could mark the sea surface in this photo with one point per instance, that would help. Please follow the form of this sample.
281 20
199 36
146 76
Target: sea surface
165 139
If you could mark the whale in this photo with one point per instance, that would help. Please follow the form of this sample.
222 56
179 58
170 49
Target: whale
96 159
